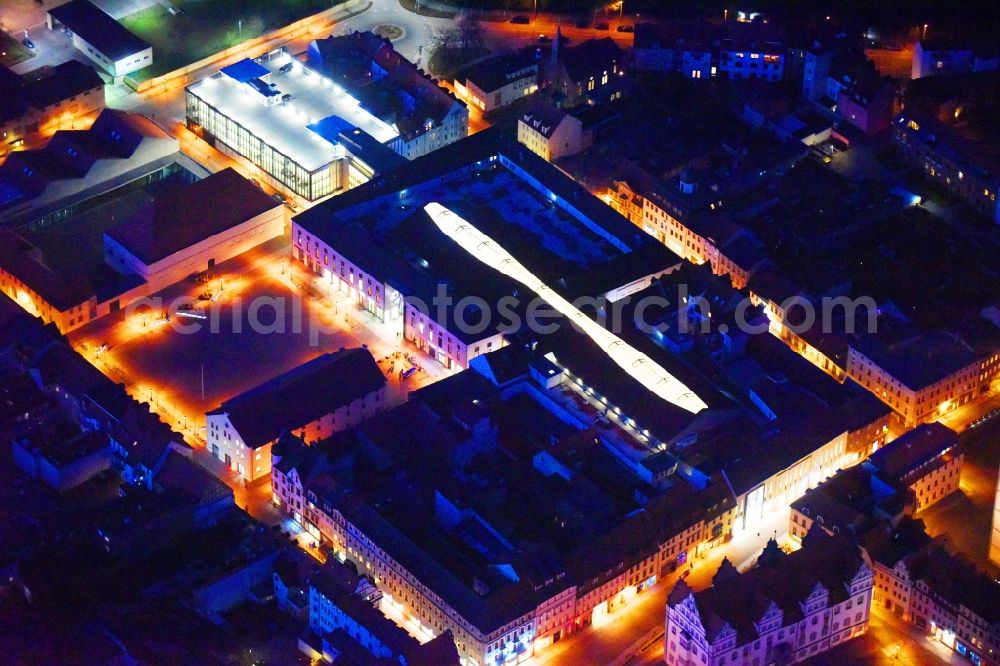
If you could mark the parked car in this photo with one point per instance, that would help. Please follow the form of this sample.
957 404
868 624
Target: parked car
277 196
625 28
521 19
284 69
27 42
544 39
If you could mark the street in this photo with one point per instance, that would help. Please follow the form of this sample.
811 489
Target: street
182 374
186 371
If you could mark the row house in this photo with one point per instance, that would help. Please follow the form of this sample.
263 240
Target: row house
788 608
704 51
922 377
948 157
944 596
926 460
600 579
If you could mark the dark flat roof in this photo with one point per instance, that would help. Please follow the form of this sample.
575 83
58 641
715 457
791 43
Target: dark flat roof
181 218
920 361
98 29
913 449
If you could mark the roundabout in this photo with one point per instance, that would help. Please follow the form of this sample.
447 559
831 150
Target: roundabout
389 31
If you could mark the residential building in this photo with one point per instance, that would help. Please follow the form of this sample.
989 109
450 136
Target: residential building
312 401
161 246
499 81
703 51
788 608
937 57
333 606
590 71
526 595
242 563
816 71
101 38
32 284
926 460
424 115
209 498
687 50
852 501
553 133
45 99
941 593
61 458
921 377
141 444
951 154
868 103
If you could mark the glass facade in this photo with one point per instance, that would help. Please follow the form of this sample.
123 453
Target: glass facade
172 169
219 128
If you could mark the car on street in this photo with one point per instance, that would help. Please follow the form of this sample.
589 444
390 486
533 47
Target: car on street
27 42
544 39
521 19
625 28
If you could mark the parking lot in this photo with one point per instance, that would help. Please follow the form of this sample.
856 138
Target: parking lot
51 48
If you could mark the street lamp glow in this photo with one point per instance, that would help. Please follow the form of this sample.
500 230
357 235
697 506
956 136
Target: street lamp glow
642 368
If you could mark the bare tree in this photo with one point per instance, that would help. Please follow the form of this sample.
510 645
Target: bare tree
470 33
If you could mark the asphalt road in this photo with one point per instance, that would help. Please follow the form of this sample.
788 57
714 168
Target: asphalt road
418 31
